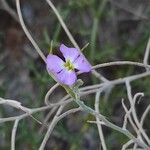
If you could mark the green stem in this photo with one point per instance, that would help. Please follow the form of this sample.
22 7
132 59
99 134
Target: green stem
74 93
109 124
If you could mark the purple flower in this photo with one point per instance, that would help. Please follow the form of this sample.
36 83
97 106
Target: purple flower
64 71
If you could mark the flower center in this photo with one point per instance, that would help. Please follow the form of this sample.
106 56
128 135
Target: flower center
69 65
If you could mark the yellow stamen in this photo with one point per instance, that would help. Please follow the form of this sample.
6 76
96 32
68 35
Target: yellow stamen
69 65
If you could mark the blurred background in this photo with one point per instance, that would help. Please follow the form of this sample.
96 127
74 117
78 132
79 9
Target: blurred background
115 30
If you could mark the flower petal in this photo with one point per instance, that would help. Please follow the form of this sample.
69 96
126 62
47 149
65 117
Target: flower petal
54 63
69 53
67 77
82 64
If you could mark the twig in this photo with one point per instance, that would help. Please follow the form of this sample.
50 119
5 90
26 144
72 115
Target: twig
27 32
128 116
69 112
32 111
97 99
56 118
95 122
89 87
147 53
134 112
121 63
135 146
13 135
50 129
99 76
49 93
85 46
126 145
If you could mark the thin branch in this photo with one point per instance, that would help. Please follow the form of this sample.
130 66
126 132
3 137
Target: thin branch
135 146
135 98
95 122
128 116
13 135
27 32
50 92
32 111
136 149
134 112
117 81
99 76
121 63
50 129
127 144
147 53
89 87
97 99
85 46
74 110
14 104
